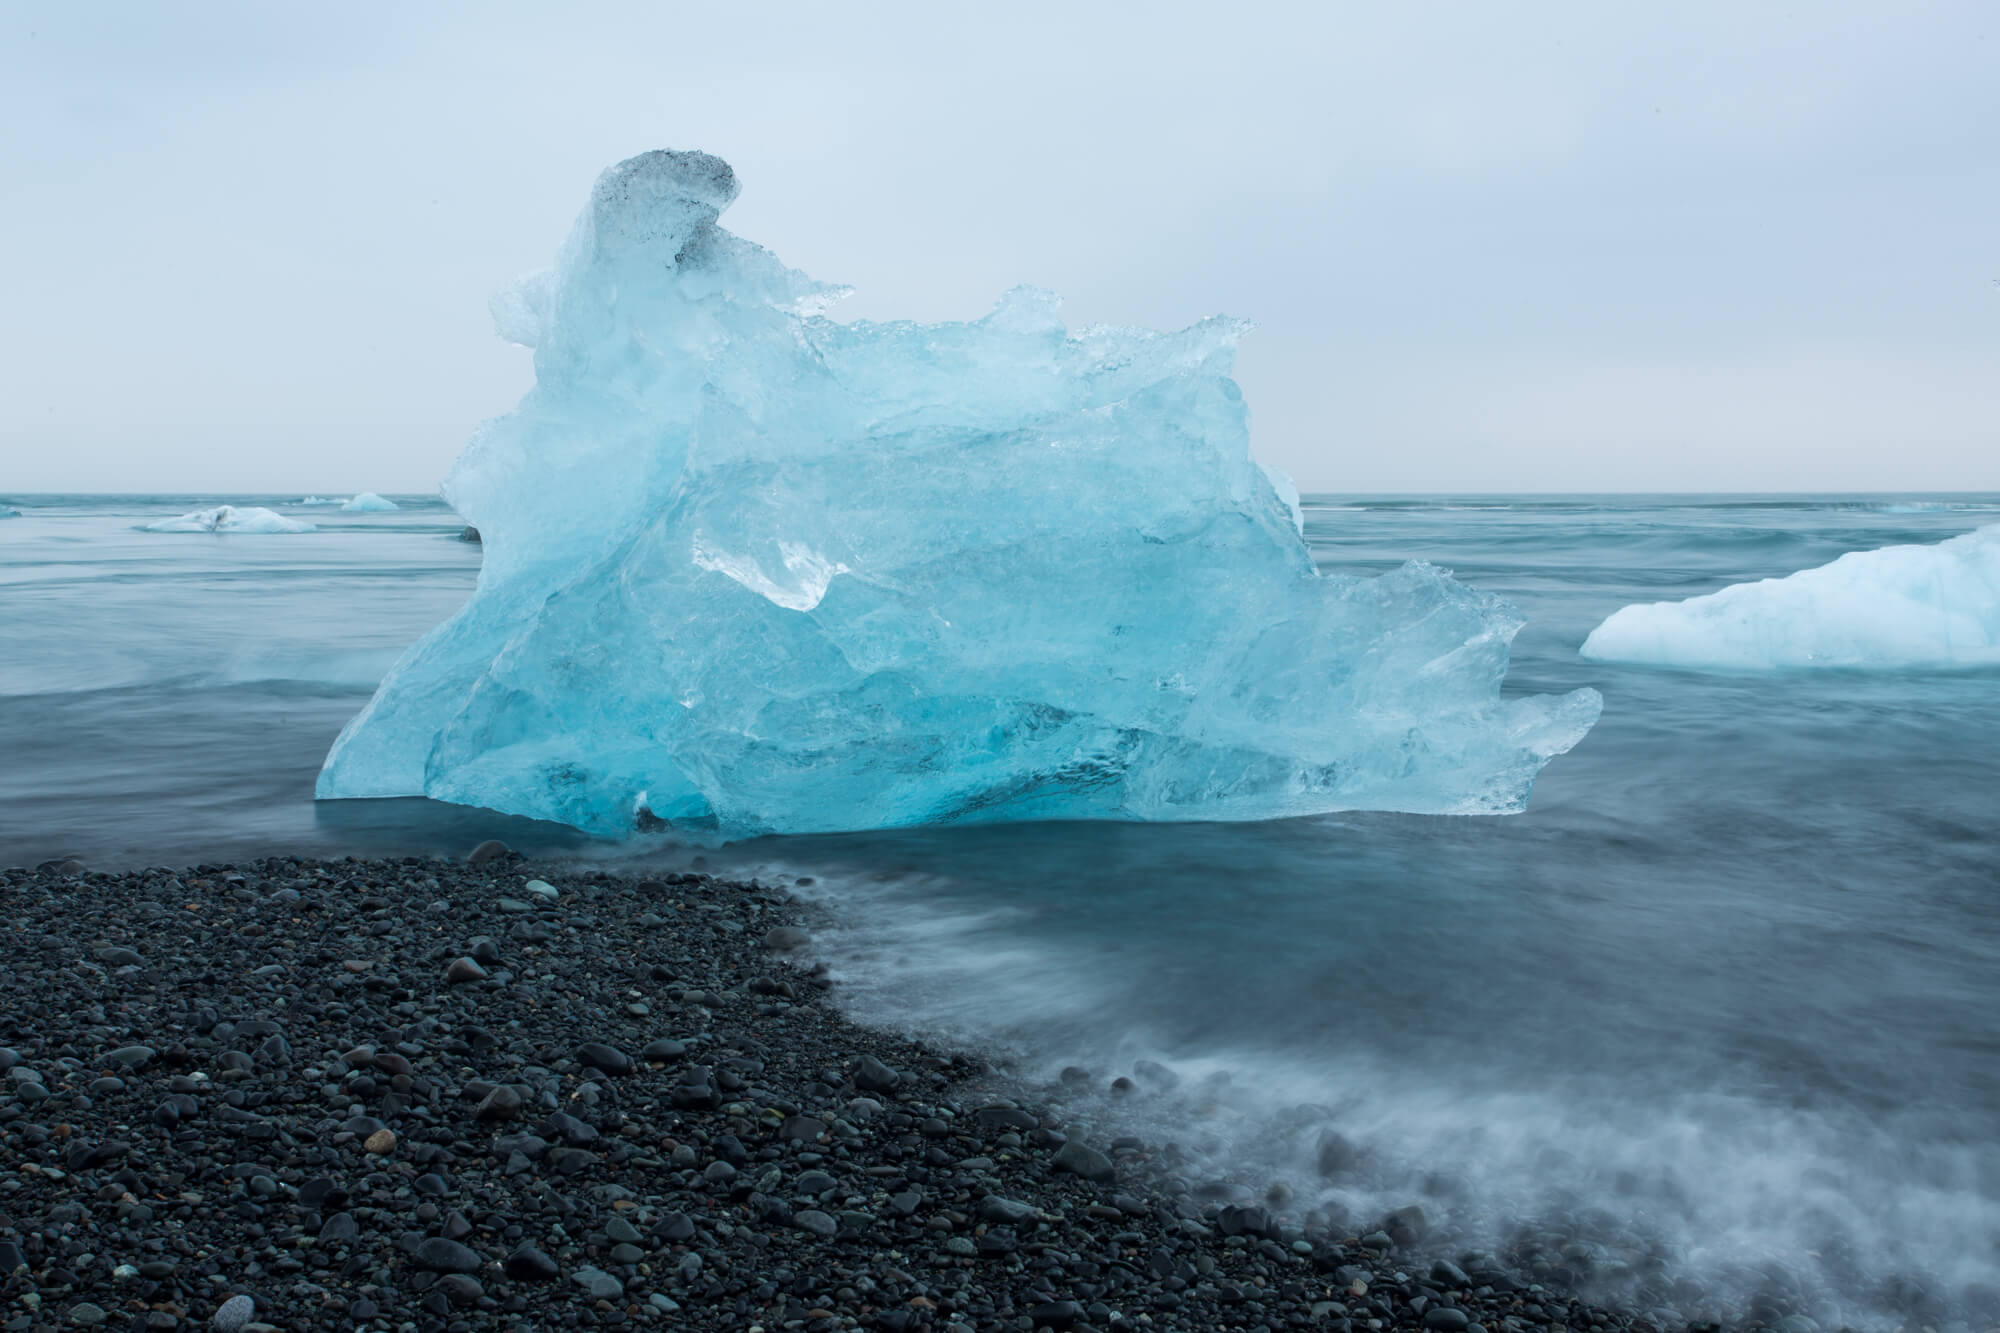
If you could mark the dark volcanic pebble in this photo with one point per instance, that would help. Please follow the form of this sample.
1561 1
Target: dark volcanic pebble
871 1075
610 1059
441 1255
338 1228
463 970
1079 1159
529 1264
194 1064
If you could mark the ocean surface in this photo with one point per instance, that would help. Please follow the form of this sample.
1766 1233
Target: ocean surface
1713 1028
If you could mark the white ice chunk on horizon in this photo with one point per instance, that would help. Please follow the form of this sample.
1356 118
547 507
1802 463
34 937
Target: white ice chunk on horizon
369 503
230 518
750 570
1900 606
320 500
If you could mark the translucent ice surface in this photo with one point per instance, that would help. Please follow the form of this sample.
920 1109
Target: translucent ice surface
369 503
1900 606
750 569
229 518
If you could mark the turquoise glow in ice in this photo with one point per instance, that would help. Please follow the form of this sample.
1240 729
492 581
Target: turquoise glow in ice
751 569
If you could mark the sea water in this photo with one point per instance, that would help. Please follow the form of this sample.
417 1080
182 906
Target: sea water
1711 1028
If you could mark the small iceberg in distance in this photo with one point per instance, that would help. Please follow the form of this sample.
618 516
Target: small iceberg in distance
320 500
750 570
1900 606
8 511
369 503
229 518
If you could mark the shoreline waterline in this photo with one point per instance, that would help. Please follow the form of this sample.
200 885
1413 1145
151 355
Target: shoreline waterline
360 1092
1155 1123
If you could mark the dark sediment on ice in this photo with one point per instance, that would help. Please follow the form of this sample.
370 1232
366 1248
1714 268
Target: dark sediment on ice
426 1094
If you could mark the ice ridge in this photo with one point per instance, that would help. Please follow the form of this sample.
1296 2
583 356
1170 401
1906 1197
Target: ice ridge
751 570
1900 606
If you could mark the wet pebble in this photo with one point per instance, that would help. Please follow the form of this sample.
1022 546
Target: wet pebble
528 1264
464 970
439 1255
786 939
598 1055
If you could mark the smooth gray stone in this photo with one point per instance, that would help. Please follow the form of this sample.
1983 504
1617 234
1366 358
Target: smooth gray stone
1087 1162
871 1075
446 1256
1009 1211
818 1223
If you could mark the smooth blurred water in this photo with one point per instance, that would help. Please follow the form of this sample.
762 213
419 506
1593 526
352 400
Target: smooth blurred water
167 697
1712 1025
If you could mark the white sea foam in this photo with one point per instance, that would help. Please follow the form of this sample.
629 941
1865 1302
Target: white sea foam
1714 1196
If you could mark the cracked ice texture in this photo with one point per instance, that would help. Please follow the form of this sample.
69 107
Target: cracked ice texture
1900 606
752 570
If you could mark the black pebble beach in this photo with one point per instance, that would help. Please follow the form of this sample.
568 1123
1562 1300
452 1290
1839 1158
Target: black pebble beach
428 1094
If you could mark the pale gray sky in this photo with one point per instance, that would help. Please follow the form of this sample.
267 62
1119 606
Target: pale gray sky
1530 246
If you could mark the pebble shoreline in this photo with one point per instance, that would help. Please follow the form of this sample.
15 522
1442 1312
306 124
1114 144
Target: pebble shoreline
489 1094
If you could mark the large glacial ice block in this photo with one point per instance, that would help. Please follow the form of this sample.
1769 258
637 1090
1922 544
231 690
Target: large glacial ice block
750 569
1900 606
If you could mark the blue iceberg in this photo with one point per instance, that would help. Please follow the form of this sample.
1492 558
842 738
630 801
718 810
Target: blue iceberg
1900 606
751 570
366 503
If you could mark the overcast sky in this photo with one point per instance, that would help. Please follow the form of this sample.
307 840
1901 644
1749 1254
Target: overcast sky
1729 246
